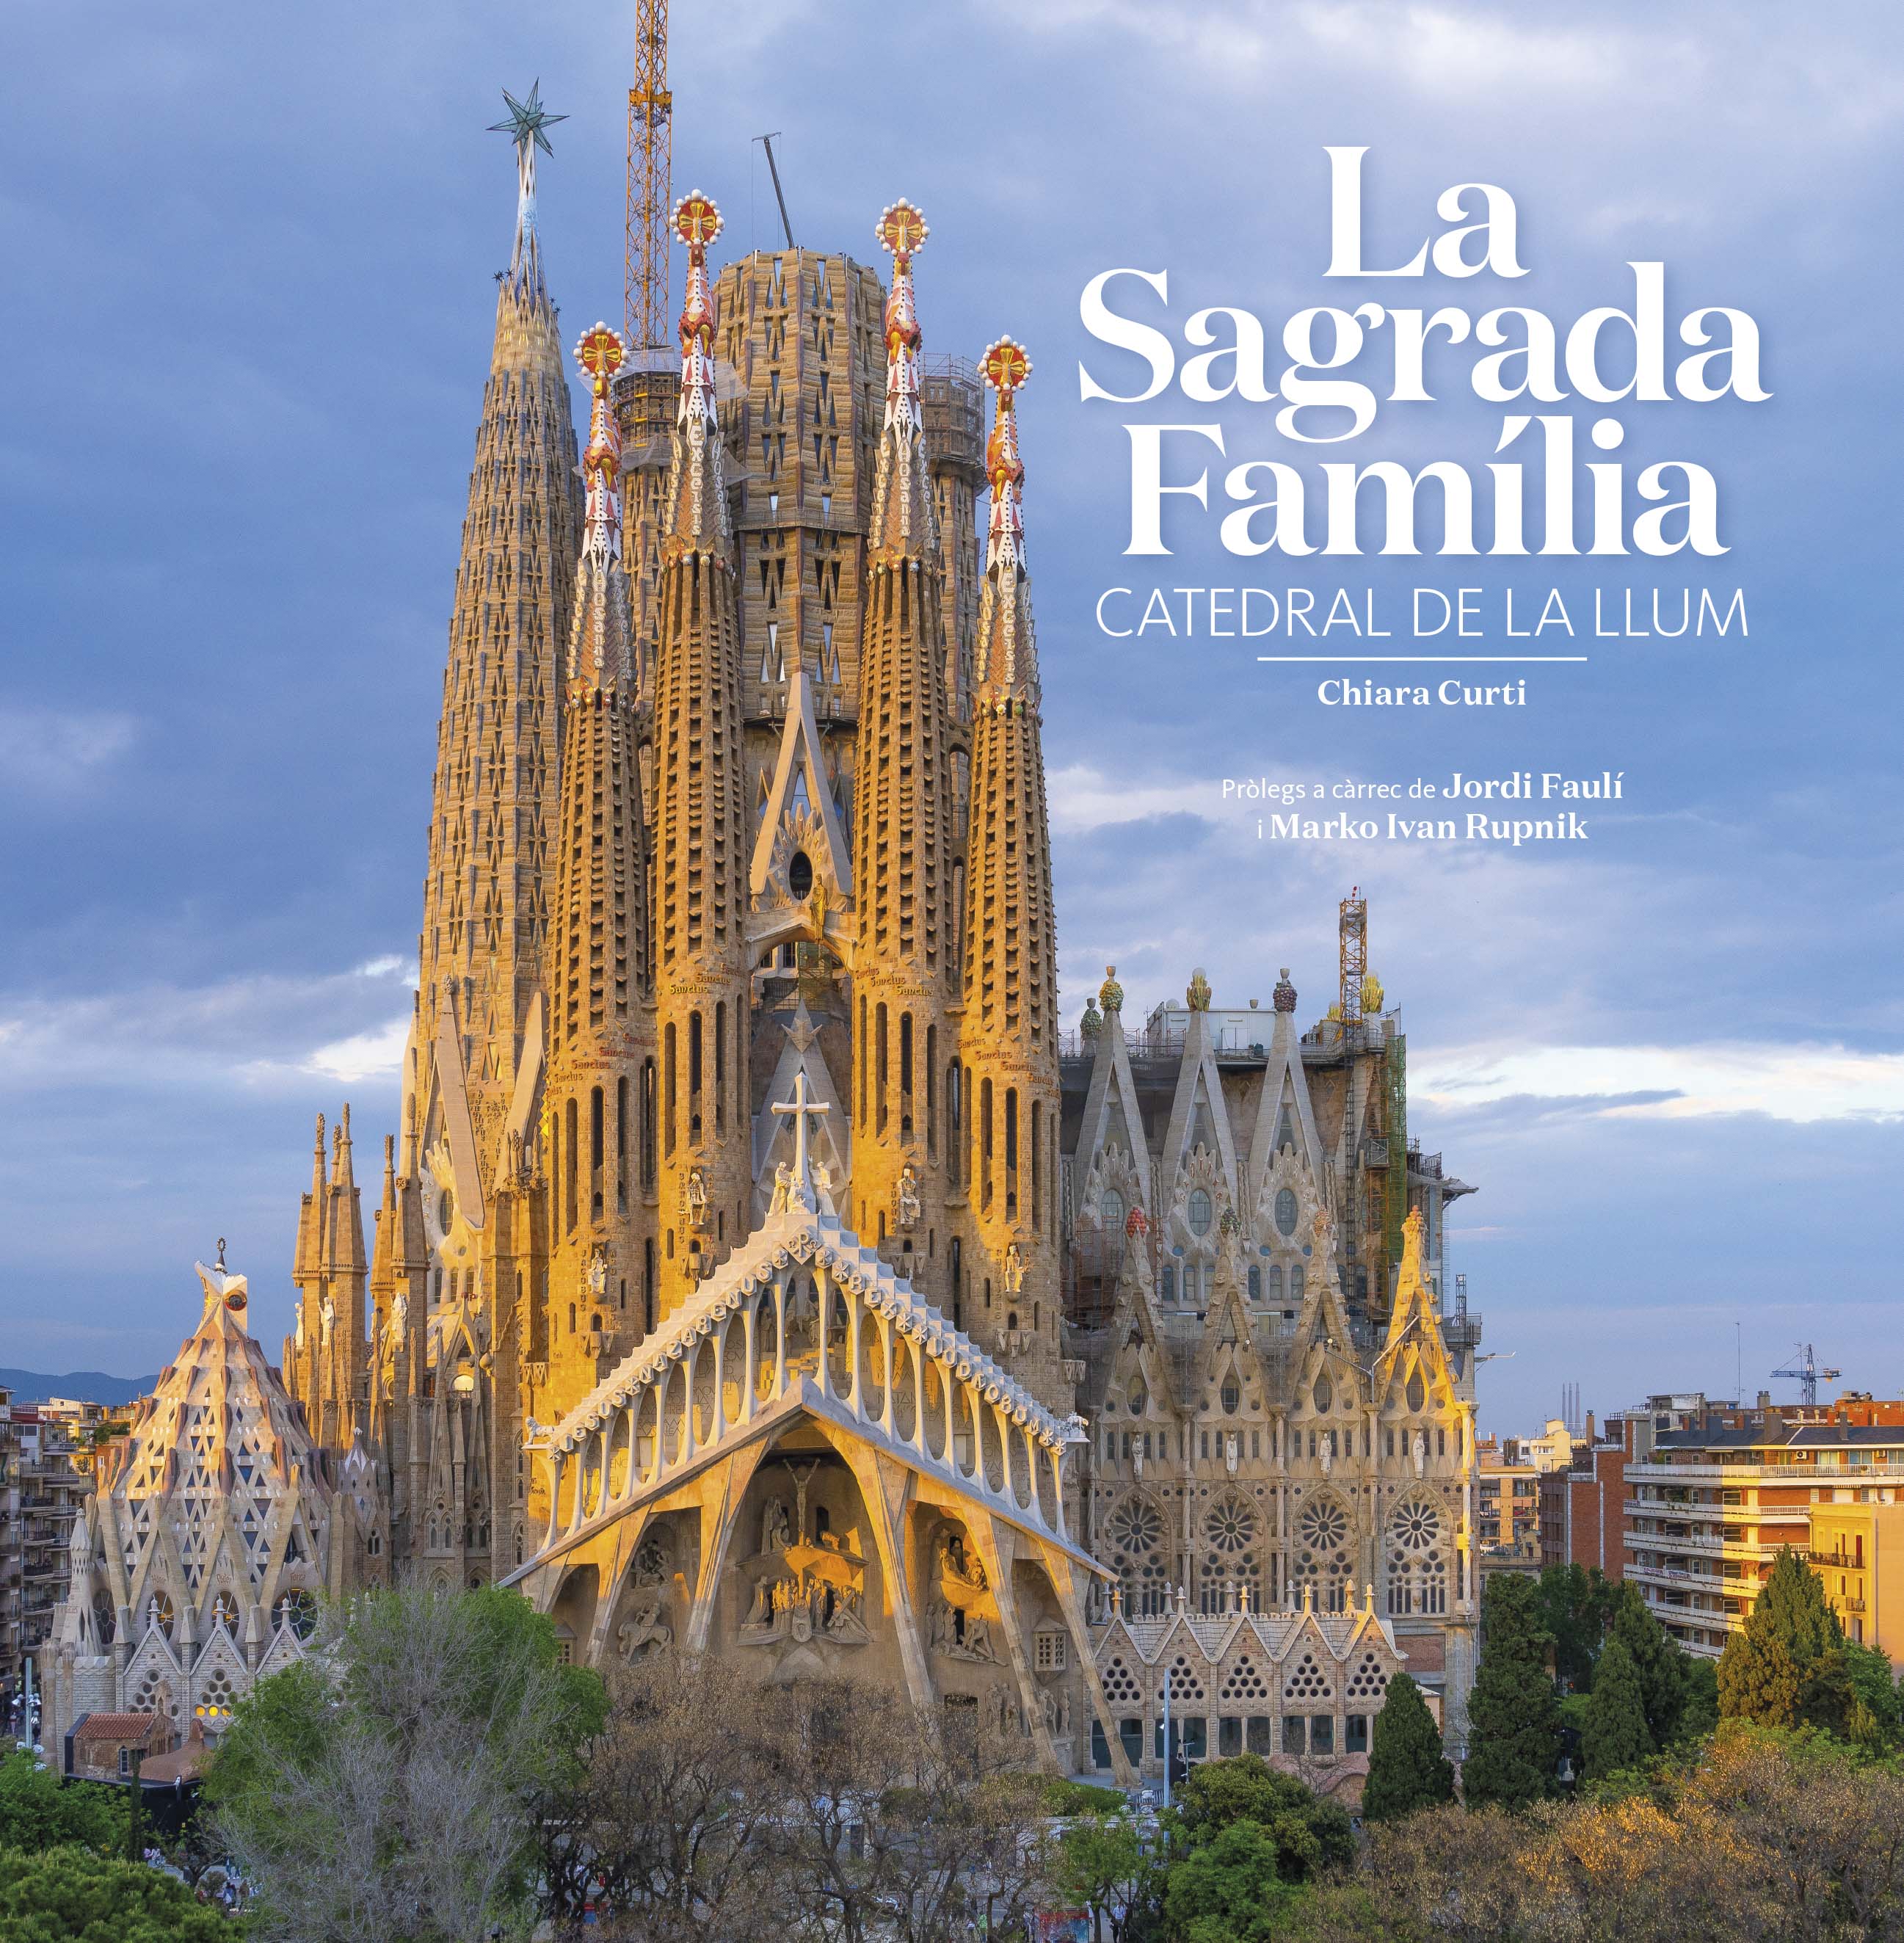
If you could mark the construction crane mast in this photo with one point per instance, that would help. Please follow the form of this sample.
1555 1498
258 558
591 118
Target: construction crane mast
1804 1370
650 182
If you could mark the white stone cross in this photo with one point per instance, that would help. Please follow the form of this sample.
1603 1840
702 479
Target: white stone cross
803 1108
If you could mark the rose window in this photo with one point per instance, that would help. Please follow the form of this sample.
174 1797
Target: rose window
1322 1527
1417 1526
1231 1526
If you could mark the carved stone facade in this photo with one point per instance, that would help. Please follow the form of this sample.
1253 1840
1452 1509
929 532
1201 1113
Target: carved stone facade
751 1245
210 1536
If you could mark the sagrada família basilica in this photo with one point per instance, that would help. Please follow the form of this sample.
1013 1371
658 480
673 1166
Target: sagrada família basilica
758 1270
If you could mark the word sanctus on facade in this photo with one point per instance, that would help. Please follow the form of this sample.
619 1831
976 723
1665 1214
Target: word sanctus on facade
758 1270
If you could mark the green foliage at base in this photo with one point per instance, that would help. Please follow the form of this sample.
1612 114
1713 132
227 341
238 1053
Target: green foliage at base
38 1811
1615 1736
1308 1833
1229 1889
69 1894
1513 1715
1082 1797
1407 1769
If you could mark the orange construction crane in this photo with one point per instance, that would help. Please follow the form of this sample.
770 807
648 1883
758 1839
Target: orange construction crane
650 182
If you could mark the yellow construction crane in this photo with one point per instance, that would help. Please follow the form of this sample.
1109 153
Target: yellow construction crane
650 182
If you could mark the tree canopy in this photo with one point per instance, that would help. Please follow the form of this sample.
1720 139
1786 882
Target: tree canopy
37 1811
1788 1667
1308 1833
1513 1713
395 1784
1407 1769
71 1895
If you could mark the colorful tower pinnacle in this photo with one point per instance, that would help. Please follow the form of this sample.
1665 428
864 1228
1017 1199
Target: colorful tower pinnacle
905 961
702 988
601 1040
493 812
1009 1027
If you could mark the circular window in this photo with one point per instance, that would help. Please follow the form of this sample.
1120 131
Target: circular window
799 875
1231 1526
1322 1527
1198 1212
225 1612
1135 1526
158 1613
1285 1210
105 1619
298 1611
1417 1526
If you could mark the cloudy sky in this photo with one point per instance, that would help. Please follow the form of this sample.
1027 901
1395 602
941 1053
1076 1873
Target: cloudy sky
251 304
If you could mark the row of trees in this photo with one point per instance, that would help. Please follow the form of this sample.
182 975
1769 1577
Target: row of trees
66 1871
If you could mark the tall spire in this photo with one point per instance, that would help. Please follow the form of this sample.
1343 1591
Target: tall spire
1008 1033
1007 660
524 124
599 651
903 518
702 960
697 514
905 919
494 804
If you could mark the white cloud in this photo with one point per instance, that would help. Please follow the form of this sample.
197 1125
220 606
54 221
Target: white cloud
378 1054
1801 1082
1082 798
49 750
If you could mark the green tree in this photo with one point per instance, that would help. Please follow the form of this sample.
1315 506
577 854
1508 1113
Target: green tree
38 1811
1575 1602
1702 1714
1407 1769
395 1787
1227 1890
1309 1834
1774 1671
1659 1662
1099 1861
1875 1718
70 1894
1615 1736
1513 1714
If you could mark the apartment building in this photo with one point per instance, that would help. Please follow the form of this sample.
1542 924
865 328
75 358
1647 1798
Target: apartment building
1712 1501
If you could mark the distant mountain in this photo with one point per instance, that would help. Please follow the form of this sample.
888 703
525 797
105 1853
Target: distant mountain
87 1386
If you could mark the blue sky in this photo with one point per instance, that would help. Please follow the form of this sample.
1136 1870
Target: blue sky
251 302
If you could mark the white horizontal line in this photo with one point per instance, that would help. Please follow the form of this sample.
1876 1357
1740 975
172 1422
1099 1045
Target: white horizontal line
1538 660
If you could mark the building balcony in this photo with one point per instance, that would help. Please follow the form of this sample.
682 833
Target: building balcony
1650 1507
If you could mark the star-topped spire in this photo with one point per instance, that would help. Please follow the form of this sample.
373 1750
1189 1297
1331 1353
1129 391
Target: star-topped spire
1007 666
903 522
699 515
524 126
599 651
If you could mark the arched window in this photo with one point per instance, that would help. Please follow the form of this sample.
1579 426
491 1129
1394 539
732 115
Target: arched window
1274 1284
1255 1283
1169 1282
1111 1211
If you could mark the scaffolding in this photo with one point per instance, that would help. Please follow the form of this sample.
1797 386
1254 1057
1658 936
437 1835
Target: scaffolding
646 278
1352 927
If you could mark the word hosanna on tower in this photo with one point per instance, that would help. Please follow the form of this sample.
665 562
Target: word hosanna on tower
758 1272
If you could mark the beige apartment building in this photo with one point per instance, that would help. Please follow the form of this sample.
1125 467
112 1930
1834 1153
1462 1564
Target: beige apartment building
1711 1505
